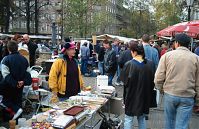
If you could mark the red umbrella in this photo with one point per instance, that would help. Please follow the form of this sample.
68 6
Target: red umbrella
190 28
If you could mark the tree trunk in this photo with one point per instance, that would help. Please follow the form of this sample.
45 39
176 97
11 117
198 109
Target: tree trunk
36 18
62 19
28 16
7 17
1 29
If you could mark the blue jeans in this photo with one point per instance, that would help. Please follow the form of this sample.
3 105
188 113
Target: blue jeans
118 74
128 122
63 99
110 80
101 67
84 63
177 111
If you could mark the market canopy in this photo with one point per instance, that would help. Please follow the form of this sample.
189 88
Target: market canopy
191 28
112 37
34 36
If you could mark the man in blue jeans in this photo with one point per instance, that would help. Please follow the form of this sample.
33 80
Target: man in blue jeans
110 61
177 76
85 54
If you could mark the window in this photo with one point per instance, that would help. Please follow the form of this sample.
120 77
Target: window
17 3
23 24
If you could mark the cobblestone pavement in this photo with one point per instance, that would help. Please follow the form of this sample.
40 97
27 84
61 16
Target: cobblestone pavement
155 121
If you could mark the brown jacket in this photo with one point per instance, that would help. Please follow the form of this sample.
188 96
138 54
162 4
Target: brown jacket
178 73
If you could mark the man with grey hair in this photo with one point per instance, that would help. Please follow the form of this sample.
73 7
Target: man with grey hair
116 48
85 54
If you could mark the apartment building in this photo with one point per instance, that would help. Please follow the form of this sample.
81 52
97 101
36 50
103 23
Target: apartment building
49 11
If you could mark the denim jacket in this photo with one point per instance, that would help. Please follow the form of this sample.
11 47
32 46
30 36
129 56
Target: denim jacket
151 54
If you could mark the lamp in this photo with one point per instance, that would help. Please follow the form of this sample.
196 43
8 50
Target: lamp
189 4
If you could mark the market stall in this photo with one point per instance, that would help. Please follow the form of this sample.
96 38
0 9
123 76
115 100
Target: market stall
72 113
112 37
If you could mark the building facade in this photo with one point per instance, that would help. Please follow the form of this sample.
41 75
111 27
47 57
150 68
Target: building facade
46 12
195 10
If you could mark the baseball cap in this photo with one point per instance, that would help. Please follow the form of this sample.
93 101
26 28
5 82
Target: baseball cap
70 45
67 40
182 38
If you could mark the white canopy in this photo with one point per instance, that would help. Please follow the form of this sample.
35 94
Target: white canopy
34 36
112 37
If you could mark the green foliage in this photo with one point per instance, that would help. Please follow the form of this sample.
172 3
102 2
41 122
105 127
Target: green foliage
167 13
81 18
2 12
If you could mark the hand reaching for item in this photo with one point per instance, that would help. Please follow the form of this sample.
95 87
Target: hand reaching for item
54 98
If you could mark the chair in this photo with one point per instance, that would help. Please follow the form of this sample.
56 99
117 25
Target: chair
35 71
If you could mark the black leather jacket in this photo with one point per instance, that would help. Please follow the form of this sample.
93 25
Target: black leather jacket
110 61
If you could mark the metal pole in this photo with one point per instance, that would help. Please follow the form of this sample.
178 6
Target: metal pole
189 12
53 34
62 19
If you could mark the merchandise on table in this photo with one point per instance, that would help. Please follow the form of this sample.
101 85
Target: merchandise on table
76 109
73 111
62 121
41 125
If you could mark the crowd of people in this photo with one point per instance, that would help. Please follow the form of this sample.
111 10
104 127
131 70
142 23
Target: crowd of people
140 67
144 66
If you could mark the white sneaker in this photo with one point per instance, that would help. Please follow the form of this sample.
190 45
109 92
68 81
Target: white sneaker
17 114
121 83
117 84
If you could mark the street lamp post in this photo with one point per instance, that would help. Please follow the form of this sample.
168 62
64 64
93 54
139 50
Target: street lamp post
189 4
54 28
62 19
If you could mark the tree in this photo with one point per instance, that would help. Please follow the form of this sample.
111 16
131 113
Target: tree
6 8
30 13
81 17
142 18
167 13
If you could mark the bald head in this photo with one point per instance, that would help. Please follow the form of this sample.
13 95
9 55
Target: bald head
26 38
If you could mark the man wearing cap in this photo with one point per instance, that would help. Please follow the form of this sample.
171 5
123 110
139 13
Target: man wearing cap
65 78
177 76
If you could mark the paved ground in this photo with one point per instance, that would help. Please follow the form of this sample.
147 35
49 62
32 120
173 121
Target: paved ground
155 121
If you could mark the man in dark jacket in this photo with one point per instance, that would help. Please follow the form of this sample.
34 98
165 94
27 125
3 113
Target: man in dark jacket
3 46
15 72
101 53
31 48
110 61
125 56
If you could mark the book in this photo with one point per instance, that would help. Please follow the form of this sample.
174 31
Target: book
62 121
